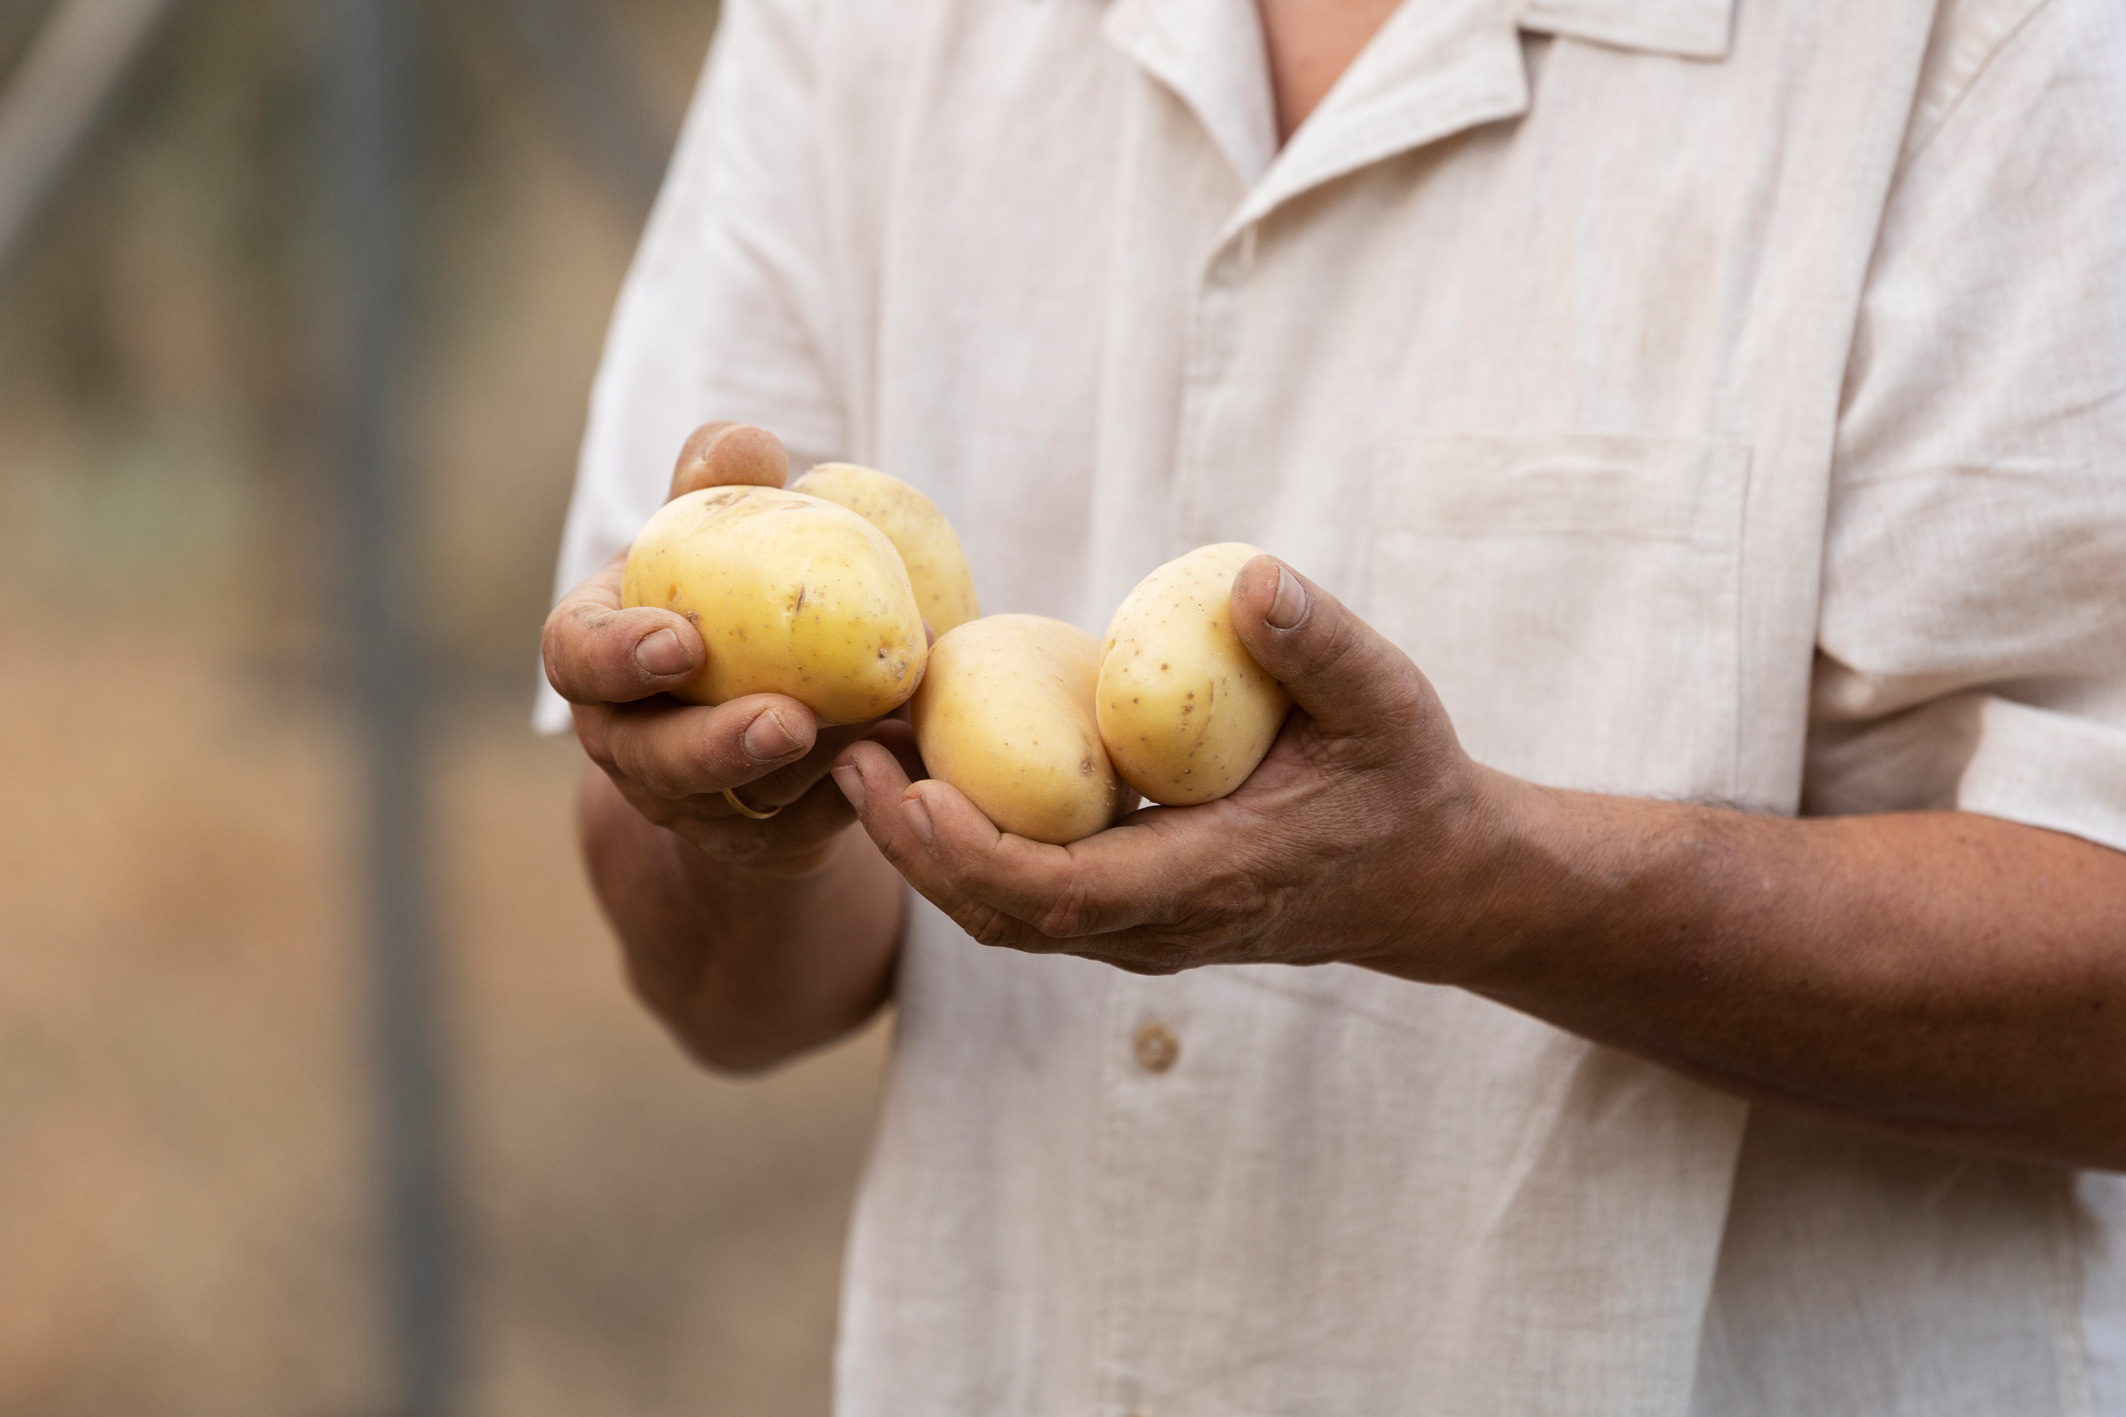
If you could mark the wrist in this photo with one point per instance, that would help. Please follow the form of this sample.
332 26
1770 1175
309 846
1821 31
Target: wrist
1580 880
1519 879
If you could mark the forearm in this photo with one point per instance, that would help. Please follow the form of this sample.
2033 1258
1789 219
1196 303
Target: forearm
1948 978
746 969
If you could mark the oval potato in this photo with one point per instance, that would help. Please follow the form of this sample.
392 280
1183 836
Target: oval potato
929 547
1184 709
1005 714
792 595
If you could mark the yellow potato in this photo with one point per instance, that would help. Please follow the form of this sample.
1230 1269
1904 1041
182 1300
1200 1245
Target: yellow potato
1185 711
918 530
792 595
1005 714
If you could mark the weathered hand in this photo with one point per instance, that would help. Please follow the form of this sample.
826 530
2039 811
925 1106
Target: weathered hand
1364 833
674 761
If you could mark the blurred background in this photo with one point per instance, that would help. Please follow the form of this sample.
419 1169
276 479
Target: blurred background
320 1092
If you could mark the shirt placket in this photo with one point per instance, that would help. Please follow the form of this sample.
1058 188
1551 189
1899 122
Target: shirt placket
1168 1067
1210 396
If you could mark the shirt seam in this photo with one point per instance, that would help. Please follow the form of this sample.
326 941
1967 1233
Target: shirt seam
1948 111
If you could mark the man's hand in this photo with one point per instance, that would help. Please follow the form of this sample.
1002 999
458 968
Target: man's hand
754 932
1363 831
1942 977
672 761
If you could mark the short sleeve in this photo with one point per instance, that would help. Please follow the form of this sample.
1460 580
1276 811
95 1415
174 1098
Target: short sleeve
726 310
1972 641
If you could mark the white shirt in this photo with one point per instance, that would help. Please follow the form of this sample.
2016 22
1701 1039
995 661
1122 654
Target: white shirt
1724 405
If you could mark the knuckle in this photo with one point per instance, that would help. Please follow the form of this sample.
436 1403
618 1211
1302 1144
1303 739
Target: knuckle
657 777
644 768
1066 917
560 662
594 733
985 924
1171 951
575 649
707 765
1334 648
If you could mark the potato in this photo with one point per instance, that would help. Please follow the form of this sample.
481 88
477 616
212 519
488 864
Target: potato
918 530
792 595
1005 714
1184 710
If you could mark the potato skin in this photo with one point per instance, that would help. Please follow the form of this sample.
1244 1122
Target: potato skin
1184 709
1005 714
792 595
929 547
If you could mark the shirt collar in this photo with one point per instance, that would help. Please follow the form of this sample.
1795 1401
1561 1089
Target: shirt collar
1209 53
1436 68
1696 29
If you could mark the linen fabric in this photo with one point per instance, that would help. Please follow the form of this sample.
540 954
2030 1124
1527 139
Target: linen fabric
1717 400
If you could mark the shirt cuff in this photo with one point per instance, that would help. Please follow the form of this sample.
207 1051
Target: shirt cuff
2048 769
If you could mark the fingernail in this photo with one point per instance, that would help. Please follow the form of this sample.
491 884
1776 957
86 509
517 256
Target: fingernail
767 739
1290 606
661 655
851 782
918 818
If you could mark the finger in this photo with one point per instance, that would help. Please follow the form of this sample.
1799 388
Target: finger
679 751
785 785
873 781
950 850
1351 680
897 736
728 454
596 652
1150 870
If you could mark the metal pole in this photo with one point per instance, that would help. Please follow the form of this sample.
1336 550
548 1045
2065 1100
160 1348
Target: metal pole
368 108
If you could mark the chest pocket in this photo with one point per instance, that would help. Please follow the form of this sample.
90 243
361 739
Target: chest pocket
1575 598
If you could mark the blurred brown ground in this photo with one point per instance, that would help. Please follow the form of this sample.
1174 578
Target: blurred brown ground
187 1200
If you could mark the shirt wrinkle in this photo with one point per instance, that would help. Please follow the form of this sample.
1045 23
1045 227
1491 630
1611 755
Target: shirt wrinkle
1695 437
1941 108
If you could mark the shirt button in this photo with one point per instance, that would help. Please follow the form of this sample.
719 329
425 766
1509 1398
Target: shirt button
1156 1048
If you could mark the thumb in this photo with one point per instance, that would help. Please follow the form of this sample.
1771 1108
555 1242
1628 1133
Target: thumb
1352 681
729 454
